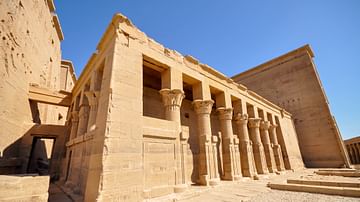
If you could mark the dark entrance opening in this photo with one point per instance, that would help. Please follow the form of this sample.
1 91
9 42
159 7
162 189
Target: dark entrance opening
40 156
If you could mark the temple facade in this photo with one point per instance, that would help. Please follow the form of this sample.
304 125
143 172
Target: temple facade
141 121
146 121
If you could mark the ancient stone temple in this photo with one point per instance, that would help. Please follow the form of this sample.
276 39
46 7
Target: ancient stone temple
142 120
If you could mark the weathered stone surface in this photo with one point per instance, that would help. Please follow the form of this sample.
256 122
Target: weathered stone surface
142 121
279 81
24 188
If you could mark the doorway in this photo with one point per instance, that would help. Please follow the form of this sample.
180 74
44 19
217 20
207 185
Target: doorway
40 156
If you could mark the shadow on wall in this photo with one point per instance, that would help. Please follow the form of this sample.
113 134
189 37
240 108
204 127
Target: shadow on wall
39 151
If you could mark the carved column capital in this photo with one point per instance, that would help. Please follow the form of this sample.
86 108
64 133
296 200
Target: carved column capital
172 98
203 106
225 113
93 97
74 116
241 118
254 122
265 125
273 126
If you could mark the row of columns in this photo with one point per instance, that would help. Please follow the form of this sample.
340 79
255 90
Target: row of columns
83 120
354 152
249 154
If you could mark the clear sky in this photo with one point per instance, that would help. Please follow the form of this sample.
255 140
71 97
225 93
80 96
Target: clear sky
235 35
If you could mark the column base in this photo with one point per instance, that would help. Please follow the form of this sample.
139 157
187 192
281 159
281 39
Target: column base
270 160
278 158
204 180
238 177
180 188
227 176
214 182
247 159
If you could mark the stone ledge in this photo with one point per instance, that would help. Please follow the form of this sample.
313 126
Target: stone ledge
82 138
342 191
324 183
339 173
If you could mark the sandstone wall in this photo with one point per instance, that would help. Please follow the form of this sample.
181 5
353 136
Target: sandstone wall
132 145
29 53
24 188
291 81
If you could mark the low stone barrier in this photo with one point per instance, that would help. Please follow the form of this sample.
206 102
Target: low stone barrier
24 188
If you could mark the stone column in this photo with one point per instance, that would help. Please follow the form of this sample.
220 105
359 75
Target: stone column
93 97
357 156
269 154
354 153
208 173
172 99
276 148
74 124
83 119
351 152
246 150
258 149
228 151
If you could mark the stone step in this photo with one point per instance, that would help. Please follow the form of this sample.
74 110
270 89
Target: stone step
338 169
339 173
341 191
324 183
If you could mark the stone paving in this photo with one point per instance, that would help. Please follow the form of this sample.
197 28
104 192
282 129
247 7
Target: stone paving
243 190
257 190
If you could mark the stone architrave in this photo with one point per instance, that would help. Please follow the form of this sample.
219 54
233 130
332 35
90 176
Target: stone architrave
245 144
276 148
231 172
93 98
269 154
172 99
74 124
208 173
258 149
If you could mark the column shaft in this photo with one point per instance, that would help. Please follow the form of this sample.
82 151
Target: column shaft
93 97
208 173
246 150
172 100
258 149
83 119
277 148
269 154
74 124
229 165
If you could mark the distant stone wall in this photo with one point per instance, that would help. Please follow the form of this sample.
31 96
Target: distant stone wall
291 81
24 188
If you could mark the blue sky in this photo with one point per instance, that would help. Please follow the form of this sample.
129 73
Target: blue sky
235 35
